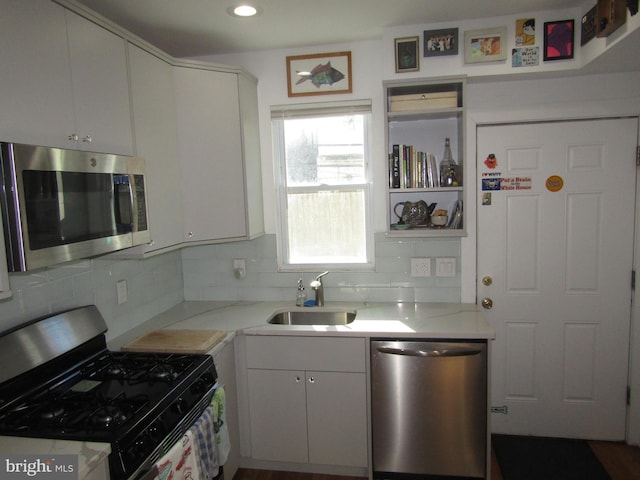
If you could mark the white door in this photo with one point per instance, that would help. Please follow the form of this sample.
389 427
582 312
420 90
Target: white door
555 243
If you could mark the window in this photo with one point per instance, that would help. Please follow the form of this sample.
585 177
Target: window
324 186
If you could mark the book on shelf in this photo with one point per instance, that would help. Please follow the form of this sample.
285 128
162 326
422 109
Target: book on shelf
411 168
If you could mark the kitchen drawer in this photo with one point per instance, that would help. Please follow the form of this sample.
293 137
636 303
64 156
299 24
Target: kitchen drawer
306 353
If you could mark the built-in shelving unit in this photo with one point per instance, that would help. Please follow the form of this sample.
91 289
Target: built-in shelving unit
419 116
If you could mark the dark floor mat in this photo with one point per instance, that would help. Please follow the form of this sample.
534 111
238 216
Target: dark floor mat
536 458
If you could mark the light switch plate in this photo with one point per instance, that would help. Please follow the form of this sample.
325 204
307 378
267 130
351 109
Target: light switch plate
121 288
421 267
445 267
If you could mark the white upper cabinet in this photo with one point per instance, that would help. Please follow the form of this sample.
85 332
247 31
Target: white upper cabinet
100 87
37 102
212 145
156 140
64 80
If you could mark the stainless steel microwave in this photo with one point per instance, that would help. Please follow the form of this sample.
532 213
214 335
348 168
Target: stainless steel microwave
60 205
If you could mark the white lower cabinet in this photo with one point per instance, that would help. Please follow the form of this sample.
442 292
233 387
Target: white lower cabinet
337 418
225 362
315 414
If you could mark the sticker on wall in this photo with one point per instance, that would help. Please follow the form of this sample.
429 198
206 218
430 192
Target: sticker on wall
515 183
489 184
491 161
554 183
525 57
486 198
506 183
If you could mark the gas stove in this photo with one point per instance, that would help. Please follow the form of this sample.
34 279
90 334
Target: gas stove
73 388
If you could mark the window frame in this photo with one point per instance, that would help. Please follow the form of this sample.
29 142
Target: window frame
278 116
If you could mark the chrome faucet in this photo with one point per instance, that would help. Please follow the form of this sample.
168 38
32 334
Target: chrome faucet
319 289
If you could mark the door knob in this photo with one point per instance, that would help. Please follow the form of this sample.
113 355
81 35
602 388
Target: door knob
486 281
487 303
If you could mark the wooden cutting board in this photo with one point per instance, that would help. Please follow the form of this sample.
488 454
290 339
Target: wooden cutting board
176 341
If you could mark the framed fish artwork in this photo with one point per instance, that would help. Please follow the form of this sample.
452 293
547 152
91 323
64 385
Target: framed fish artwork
319 74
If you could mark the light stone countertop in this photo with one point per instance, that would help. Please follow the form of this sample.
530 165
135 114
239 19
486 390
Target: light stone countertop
400 320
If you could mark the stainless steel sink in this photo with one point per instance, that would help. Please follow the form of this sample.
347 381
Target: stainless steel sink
313 316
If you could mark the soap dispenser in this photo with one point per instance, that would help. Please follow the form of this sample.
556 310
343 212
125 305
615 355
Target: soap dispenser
302 295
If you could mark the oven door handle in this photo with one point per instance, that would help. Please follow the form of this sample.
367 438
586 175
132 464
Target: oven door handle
149 474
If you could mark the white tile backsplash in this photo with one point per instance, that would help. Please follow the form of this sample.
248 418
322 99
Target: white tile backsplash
154 285
206 273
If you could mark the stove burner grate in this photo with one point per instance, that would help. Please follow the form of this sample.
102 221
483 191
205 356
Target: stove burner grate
139 367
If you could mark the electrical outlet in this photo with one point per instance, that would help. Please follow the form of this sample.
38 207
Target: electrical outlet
121 288
445 267
421 267
239 268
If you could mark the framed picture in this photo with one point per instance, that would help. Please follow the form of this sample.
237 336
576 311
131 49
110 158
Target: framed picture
525 32
588 30
407 54
439 43
558 40
319 74
487 45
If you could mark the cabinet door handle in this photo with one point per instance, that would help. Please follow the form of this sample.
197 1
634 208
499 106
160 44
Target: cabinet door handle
312 380
74 137
87 139
431 352
298 379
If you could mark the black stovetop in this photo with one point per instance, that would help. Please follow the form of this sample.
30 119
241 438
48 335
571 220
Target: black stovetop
103 398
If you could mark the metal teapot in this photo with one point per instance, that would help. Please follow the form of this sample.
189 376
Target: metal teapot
414 213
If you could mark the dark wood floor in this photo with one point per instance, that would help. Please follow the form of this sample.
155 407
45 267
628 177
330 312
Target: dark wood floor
621 461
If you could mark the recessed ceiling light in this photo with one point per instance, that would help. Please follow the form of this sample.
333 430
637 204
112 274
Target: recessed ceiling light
243 11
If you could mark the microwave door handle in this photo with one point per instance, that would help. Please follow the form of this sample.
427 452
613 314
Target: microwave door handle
124 205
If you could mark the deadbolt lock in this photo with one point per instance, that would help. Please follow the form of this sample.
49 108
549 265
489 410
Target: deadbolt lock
487 303
486 281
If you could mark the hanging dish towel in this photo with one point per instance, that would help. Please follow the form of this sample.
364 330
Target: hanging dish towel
204 439
220 423
180 462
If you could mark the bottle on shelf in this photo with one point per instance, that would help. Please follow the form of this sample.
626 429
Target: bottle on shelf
449 169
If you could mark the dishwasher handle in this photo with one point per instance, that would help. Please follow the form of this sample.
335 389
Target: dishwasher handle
431 352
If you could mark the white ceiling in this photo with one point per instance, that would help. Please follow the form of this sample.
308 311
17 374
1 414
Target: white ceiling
190 28
186 28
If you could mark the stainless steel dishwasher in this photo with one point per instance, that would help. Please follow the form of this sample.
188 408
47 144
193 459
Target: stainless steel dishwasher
429 408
